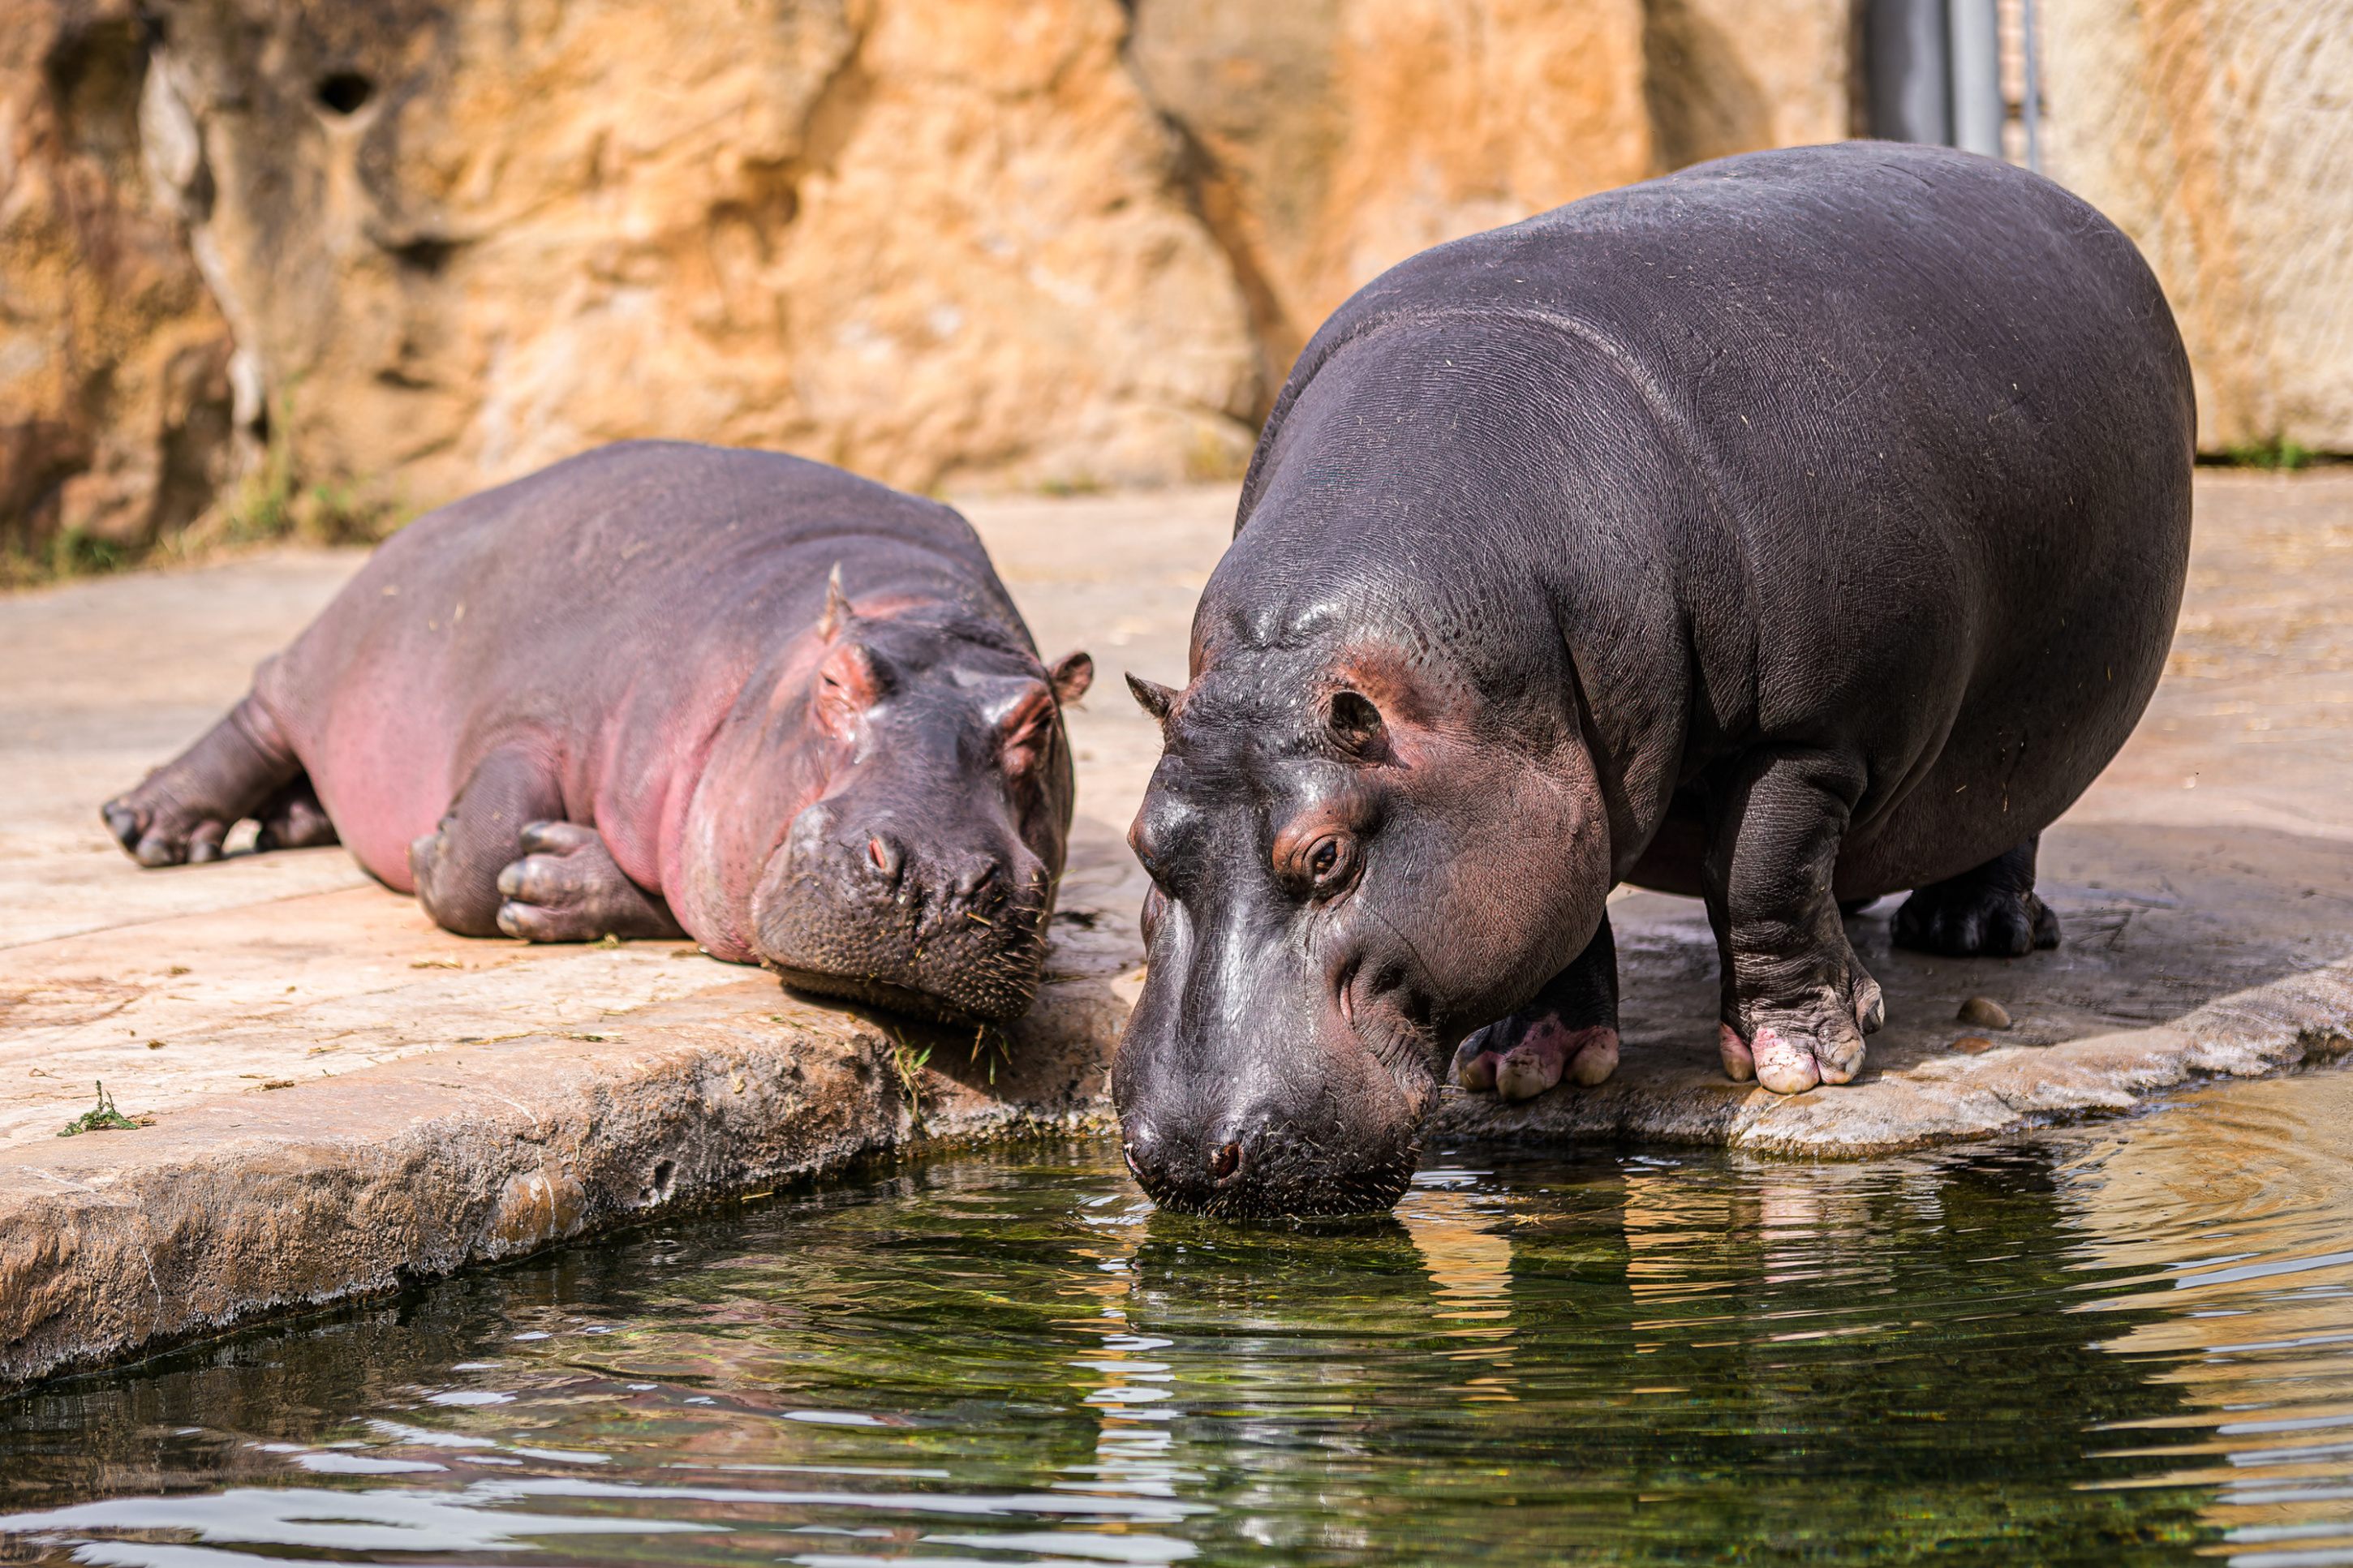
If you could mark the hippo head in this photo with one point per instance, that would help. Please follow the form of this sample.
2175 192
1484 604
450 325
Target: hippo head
932 784
1361 848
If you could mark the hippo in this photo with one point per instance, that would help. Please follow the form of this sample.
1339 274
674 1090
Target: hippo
663 689
1794 529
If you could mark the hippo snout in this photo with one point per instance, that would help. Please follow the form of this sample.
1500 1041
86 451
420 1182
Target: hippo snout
941 918
1287 1115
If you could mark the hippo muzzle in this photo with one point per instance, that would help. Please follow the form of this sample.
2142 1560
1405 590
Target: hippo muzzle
947 925
1251 1092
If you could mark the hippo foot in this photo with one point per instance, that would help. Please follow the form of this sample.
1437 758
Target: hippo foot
181 813
1964 920
161 832
295 820
566 888
1790 1050
1546 1052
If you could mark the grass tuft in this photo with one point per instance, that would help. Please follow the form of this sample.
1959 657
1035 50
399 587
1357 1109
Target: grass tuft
100 1118
906 1062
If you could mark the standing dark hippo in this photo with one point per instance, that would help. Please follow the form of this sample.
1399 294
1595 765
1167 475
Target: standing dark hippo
620 696
1799 528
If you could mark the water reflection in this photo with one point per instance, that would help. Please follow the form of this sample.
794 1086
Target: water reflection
2128 1345
2235 1211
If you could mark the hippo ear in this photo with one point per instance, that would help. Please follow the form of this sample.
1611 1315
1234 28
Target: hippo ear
1356 722
837 606
1070 677
1152 697
1025 727
848 682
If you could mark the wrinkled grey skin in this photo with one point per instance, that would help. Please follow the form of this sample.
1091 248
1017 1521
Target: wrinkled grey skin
1796 529
663 687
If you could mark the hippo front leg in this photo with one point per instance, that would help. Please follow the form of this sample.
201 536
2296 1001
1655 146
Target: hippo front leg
1797 1004
1569 1030
567 887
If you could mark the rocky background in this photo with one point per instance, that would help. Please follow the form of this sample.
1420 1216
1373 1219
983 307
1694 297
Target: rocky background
323 263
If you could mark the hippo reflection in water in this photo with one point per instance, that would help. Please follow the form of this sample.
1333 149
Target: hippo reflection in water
1800 528
663 687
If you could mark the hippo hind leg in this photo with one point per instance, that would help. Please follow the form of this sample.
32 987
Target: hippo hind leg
567 887
1989 910
293 818
1797 1002
1569 1030
182 810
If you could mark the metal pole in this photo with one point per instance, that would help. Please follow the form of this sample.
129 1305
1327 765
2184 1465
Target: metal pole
2029 104
1973 57
1906 71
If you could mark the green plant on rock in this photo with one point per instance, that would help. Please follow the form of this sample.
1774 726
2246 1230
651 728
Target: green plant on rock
272 503
907 1063
103 1117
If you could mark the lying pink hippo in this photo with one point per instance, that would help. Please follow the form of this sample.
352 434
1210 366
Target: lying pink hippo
664 688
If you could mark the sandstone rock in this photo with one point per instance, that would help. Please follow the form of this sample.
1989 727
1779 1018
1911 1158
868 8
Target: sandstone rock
1734 76
1334 138
2216 136
115 398
926 242
1984 1013
408 247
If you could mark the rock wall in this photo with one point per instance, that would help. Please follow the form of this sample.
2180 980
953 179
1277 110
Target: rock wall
927 242
114 399
1332 138
2218 134
401 248
410 247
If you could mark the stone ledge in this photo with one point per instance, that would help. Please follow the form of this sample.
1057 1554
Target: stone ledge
2302 1018
239 1207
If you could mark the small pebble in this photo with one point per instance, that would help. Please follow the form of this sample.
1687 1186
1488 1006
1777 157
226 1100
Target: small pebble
1985 1013
1971 1045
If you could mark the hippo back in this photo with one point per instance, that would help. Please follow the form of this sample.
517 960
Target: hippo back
1870 441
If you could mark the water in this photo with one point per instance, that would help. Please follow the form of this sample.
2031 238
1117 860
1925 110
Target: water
2115 1346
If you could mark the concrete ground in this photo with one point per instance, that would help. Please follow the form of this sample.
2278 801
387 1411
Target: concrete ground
342 1097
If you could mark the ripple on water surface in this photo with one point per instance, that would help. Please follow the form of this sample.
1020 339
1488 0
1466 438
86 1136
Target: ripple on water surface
2130 1343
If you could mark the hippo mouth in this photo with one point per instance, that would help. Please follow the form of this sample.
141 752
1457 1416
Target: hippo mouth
1288 1178
989 1003
986 973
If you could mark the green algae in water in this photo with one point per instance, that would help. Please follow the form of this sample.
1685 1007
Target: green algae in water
2120 1346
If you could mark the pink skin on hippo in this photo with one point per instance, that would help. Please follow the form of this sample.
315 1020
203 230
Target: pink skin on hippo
664 689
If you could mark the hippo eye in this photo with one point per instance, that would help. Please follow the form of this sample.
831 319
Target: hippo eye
1326 864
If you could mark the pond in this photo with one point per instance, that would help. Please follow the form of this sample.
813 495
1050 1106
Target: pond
2119 1344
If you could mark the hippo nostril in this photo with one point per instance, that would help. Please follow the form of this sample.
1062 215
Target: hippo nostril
1224 1160
1127 1153
886 855
980 885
